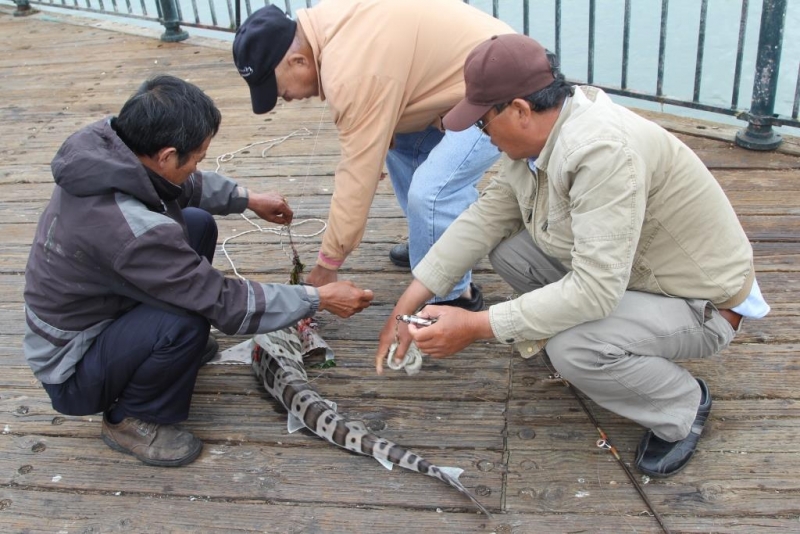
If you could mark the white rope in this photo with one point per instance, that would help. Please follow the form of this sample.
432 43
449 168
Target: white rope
411 362
222 158
278 230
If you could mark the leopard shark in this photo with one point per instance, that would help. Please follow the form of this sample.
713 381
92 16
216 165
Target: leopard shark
277 360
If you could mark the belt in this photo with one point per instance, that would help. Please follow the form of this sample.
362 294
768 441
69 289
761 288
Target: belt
732 317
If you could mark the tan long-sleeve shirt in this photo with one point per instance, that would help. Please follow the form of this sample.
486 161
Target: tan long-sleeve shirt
385 67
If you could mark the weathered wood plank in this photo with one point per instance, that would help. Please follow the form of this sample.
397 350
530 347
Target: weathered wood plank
545 481
763 372
759 228
539 421
250 258
234 470
759 372
44 512
257 417
686 127
26 209
560 423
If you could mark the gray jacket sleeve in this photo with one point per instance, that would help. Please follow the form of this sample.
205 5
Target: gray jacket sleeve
160 265
215 193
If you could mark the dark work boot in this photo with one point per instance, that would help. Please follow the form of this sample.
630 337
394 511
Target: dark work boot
153 444
659 458
399 255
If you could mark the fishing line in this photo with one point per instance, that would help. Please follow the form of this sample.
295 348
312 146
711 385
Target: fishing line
296 276
278 230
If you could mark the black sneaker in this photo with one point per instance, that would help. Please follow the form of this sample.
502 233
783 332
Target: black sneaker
474 304
399 255
659 458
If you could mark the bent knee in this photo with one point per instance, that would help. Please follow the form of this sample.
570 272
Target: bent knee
420 198
576 352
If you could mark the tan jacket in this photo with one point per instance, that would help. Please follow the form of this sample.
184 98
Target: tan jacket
385 67
621 203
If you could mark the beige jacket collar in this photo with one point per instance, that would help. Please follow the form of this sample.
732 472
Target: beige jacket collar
573 105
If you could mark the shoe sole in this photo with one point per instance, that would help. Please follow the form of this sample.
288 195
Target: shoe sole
157 463
652 474
406 265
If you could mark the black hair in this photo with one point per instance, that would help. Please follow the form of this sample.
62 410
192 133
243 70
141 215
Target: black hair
167 112
554 94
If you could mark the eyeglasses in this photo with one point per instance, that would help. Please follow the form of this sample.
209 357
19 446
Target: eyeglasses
481 124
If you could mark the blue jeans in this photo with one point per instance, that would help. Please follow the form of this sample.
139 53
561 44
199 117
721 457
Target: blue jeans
145 363
434 175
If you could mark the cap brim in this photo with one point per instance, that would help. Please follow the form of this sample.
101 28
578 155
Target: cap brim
265 95
464 115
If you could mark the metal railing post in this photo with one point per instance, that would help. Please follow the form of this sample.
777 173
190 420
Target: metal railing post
759 134
170 20
23 8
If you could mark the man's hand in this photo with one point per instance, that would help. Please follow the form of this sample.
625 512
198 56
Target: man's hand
344 298
390 328
319 276
411 299
271 207
454 329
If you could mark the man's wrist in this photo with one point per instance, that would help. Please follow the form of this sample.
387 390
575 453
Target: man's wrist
327 262
482 326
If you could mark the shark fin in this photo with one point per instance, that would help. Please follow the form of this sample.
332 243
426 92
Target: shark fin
452 472
385 463
293 424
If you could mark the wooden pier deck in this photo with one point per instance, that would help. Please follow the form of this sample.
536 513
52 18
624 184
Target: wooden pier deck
527 448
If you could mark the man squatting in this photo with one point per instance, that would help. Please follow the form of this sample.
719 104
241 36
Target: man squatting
625 252
120 292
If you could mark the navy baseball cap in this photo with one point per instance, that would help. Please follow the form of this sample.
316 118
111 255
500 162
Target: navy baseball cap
259 46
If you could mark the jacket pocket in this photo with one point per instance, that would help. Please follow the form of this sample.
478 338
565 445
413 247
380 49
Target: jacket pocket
644 279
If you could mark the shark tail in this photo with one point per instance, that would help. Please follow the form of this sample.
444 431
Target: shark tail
451 475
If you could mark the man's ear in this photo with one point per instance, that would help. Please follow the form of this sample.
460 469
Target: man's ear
163 155
522 110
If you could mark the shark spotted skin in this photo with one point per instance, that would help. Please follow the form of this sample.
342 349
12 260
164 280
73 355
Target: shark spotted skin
278 364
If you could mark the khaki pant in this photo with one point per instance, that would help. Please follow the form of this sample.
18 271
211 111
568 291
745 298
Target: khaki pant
626 362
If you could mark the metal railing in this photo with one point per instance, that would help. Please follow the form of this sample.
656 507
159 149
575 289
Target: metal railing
226 15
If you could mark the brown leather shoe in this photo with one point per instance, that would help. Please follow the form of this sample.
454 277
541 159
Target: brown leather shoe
153 444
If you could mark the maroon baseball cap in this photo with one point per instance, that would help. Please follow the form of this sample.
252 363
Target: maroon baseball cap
496 72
